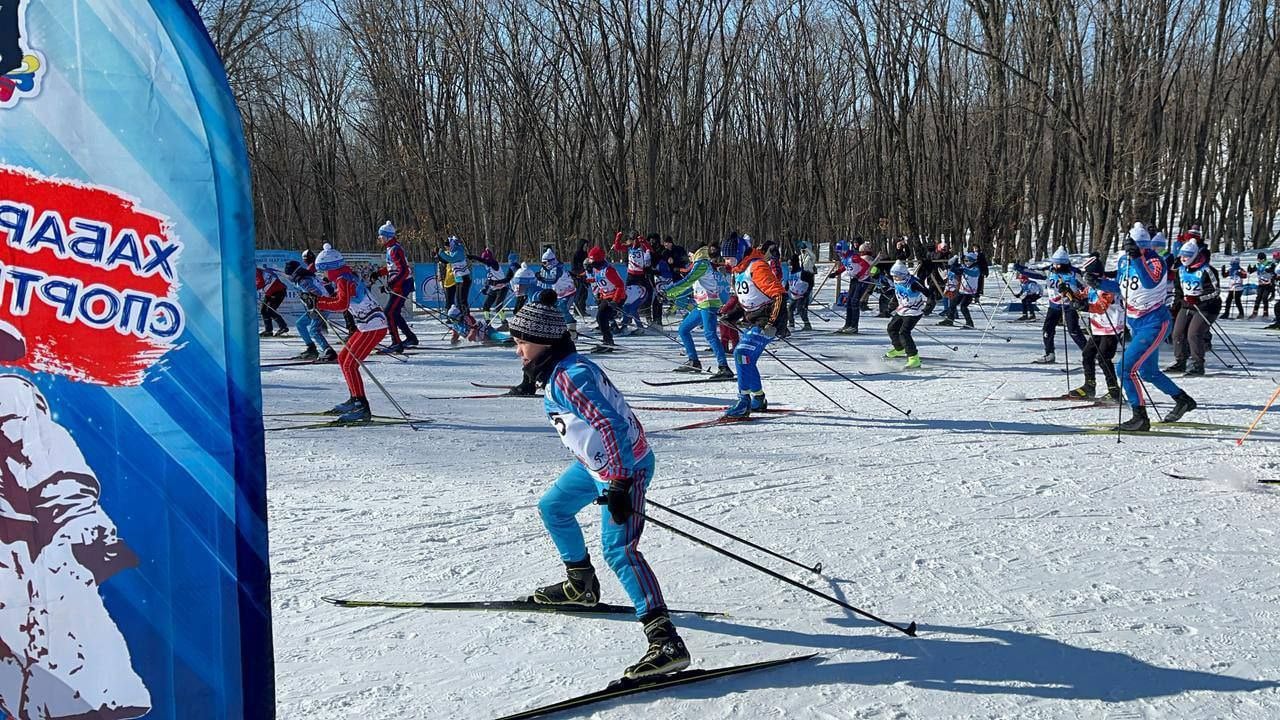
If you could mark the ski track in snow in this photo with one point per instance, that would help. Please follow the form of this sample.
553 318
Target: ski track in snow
1053 576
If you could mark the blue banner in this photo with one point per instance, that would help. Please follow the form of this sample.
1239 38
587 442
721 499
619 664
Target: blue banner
135 579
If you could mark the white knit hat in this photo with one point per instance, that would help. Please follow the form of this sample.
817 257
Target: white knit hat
387 230
329 259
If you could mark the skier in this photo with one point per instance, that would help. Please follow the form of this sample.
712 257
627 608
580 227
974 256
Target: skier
454 255
555 275
857 263
580 272
1029 291
399 277
967 278
273 291
1143 278
1101 299
1063 282
912 295
523 281
465 326
1233 277
1200 307
702 278
639 259
310 325
799 290
610 294
495 287
613 460
760 295
371 326
1266 271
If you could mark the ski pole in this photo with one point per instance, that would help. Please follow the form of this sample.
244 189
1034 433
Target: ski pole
1066 347
937 339
815 569
399 408
806 380
1265 408
990 324
909 630
1231 346
846 377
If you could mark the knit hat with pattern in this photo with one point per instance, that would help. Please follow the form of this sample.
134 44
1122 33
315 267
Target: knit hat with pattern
539 322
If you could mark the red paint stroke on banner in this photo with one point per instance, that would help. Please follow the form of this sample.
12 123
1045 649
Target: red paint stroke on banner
88 280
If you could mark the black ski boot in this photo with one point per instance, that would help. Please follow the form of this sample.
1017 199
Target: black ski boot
1139 422
1114 393
1194 369
666 653
582 588
1182 404
689 366
1177 366
1084 392
359 413
329 356
722 373
308 354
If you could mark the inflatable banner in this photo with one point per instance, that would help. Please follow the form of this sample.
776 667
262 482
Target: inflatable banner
133 540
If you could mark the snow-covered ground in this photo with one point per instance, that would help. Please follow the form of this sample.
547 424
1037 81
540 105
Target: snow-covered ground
1052 575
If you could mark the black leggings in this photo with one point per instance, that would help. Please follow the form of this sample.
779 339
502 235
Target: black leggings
900 328
1233 296
1263 298
1029 305
269 313
495 299
1056 314
1100 348
604 321
962 306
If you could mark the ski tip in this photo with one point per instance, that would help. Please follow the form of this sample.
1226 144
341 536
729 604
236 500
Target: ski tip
335 601
817 568
911 629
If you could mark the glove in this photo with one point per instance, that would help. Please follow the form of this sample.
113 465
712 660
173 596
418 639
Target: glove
618 500
308 300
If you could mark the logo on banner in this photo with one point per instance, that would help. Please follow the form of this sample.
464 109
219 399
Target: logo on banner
21 67
88 280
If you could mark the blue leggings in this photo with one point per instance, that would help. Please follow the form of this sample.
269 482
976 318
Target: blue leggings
309 330
1142 359
576 489
564 303
709 319
746 356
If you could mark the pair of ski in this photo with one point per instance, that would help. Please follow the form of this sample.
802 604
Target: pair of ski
616 689
694 381
373 421
726 420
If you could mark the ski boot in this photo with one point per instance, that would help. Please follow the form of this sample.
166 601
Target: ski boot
582 588
358 414
759 401
947 322
344 407
308 354
689 366
395 348
1084 392
329 356
1182 404
1046 359
806 326
410 342
1023 318
1177 366
1194 369
1138 422
847 330
602 349
282 332
666 653
722 373
740 409
1114 393
895 353
265 333
913 362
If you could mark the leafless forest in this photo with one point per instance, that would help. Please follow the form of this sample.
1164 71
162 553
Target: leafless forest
1020 124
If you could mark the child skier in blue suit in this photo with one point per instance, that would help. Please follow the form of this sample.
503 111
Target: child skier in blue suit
613 459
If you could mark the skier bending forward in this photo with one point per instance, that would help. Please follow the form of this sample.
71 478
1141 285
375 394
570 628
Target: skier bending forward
613 460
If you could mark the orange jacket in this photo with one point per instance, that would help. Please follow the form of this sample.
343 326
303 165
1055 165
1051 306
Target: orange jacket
761 274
